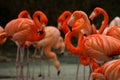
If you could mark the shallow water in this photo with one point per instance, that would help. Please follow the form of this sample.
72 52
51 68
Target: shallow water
68 70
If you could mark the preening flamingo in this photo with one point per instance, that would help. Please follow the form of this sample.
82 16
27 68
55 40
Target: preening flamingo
62 21
24 29
100 47
108 71
51 38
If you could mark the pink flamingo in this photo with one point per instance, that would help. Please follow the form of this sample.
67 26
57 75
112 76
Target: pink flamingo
19 29
51 38
115 22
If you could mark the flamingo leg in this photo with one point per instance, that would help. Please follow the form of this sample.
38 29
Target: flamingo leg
34 54
28 72
41 54
48 69
84 73
17 61
21 62
77 71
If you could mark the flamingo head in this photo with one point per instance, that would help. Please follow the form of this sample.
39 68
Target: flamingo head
59 25
97 11
77 16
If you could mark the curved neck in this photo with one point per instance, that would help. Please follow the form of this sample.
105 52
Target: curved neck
75 50
105 21
65 26
39 19
64 15
24 14
63 19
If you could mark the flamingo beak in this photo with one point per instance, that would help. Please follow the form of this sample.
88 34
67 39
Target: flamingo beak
40 31
91 22
70 27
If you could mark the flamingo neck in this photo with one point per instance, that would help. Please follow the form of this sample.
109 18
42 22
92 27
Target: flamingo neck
75 50
104 23
39 19
65 26
24 14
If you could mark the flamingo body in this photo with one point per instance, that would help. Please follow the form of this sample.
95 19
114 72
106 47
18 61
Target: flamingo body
108 71
23 29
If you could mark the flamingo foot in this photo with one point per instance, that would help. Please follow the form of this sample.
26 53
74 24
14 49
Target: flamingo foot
21 74
17 67
62 53
40 75
58 73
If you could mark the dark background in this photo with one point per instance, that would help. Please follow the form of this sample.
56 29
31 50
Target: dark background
9 9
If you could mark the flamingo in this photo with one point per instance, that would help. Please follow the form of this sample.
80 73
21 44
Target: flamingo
24 29
97 11
113 28
80 17
62 21
108 71
50 41
25 14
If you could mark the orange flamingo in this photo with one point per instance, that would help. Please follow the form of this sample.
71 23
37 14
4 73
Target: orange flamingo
81 17
108 71
62 21
113 29
97 11
25 14
19 29
51 38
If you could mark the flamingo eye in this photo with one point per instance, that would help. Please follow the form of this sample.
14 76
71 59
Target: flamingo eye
40 32
85 34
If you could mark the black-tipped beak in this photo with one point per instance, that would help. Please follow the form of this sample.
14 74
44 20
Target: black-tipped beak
62 53
70 27
40 32
91 22
58 73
